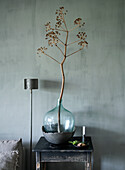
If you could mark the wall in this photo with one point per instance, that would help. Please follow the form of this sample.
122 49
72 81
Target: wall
95 78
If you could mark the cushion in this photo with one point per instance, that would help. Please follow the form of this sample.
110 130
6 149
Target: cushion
10 145
8 160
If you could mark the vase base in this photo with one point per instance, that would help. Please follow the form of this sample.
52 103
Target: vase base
57 138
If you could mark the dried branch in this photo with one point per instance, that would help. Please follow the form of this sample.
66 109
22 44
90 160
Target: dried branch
73 42
74 28
42 50
60 17
51 58
59 49
56 29
66 43
77 22
60 30
61 41
64 23
53 39
80 36
81 43
74 52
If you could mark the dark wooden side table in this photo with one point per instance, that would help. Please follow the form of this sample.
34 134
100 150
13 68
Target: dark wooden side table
46 152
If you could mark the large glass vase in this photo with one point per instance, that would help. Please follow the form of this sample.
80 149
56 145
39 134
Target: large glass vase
50 121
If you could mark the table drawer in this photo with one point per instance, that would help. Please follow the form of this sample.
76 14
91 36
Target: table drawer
63 157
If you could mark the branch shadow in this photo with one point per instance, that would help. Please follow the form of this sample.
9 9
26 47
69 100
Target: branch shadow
49 84
54 86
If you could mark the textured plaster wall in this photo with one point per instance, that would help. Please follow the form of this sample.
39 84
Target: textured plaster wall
95 78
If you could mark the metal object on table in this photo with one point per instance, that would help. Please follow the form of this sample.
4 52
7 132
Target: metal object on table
83 134
30 84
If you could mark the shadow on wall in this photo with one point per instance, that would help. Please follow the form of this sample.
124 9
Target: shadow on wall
54 85
50 84
109 149
109 146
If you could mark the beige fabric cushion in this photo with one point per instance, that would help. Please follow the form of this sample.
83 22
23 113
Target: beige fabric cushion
9 160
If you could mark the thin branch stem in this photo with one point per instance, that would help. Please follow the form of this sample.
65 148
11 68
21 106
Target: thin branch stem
51 58
64 23
75 52
73 28
73 42
61 94
66 43
60 49
62 28
56 29
63 82
60 41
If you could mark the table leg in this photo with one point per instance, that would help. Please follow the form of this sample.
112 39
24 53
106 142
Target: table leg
88 163
38 161
43 165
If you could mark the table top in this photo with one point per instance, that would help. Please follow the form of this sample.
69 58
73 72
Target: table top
44 146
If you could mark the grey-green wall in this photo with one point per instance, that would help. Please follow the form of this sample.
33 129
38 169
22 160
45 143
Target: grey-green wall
95 78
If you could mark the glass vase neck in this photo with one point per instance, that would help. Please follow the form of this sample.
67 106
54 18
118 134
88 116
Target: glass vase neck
59 102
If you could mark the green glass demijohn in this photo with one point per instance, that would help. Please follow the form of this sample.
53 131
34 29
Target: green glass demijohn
50 121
